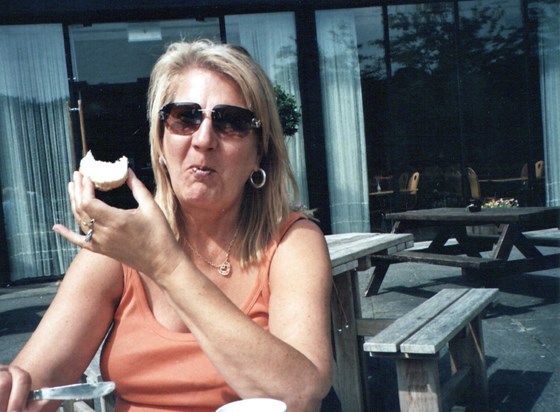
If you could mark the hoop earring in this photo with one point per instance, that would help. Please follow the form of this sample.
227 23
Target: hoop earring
262 180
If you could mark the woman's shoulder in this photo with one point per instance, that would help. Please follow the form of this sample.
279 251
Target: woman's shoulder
301 227
302 249
300 219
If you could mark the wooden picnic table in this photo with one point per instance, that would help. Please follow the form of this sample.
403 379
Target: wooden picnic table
451 223
351 253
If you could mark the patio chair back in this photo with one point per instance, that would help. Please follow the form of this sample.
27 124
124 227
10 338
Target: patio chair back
473 183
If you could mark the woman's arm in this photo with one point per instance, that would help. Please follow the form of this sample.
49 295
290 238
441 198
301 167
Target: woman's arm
293 361
75 324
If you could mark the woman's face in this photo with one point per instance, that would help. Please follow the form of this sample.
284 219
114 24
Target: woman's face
208 169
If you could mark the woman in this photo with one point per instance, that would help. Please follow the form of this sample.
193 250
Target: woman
215 290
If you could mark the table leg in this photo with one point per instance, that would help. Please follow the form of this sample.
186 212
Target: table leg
376 278
524 245
396 227
505 241
347 380
468 246
442 236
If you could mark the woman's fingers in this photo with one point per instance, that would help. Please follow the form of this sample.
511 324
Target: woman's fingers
73 237
15 384
81 192
140 192
132 236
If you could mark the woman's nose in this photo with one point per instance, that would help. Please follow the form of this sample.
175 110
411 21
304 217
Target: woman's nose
205 138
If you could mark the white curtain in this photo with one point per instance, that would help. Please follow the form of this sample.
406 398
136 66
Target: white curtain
35 151
549 54
343 120
273 46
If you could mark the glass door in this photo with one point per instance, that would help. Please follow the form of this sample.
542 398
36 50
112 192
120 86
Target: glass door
111 66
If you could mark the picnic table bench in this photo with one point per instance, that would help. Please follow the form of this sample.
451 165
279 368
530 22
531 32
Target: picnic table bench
451 320
466 262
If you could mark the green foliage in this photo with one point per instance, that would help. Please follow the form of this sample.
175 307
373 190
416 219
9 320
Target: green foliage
288 111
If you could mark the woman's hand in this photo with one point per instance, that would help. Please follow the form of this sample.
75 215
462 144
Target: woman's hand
140 238
15 384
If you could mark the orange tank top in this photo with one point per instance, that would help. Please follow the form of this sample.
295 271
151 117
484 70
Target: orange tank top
156 369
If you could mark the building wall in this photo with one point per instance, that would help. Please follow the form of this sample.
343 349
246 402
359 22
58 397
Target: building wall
405 88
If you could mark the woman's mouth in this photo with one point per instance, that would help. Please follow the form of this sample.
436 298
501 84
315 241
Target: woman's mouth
201 171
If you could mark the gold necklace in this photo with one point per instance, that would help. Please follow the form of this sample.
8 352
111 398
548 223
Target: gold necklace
224 268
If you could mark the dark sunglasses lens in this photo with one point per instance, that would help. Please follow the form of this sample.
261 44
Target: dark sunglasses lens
232 119
184 119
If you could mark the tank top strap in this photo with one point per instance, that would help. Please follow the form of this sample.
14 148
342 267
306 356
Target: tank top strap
264 270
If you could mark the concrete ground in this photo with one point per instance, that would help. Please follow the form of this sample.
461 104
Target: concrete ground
522 332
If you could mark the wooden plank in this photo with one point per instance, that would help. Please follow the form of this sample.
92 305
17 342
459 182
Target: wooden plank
346 247
543 217
400 246
419 385
436 333
389 339
419 256
531 264
546 237
347 371
344 267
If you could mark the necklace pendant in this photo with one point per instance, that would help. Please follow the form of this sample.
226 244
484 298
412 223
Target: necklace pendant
225 268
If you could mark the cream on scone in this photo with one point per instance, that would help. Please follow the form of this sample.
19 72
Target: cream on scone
104 175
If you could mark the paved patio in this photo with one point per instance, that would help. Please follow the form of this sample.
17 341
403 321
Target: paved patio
522 333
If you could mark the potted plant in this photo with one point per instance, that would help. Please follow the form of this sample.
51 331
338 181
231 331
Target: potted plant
288 111
492 204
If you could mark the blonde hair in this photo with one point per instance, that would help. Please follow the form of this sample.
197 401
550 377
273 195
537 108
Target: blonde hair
262 210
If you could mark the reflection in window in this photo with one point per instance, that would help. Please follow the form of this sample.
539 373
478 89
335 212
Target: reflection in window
273 46
423 132
494 74
125 52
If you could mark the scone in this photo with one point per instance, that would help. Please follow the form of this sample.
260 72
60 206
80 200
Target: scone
104 175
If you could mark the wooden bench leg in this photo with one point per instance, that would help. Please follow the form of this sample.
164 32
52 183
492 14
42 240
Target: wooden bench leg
419 384
466 350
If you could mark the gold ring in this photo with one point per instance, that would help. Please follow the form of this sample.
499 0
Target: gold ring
89 223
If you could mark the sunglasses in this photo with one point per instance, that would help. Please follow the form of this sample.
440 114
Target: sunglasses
184 118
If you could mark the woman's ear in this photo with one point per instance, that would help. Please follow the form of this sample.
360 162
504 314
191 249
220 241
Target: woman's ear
162 162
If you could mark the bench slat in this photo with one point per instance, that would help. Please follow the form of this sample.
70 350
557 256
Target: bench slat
390 338
419 256
545 237
435 334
